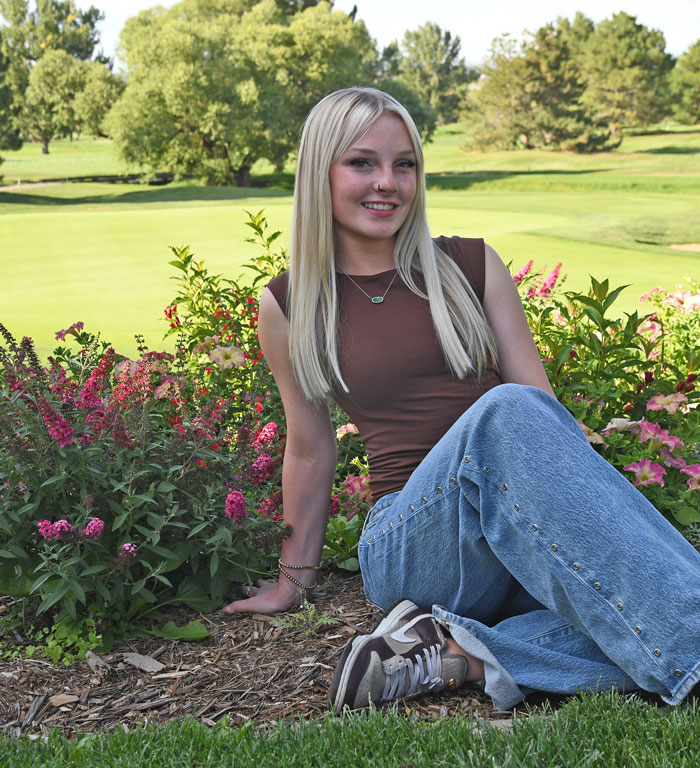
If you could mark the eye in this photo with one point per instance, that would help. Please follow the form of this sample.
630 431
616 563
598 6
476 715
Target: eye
407 164
359 162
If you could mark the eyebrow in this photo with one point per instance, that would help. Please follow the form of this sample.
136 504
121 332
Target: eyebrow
367 151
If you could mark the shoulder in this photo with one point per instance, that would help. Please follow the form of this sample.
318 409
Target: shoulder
278 288
469 253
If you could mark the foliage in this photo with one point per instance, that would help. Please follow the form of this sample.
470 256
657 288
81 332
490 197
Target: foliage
93 101
306 619
630 382
625 68
213 89
33 30
532 98
685 84
215 319
49 101
9 135
119 494
424 116
431 65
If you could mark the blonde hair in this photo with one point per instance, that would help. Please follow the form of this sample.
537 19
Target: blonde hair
331 127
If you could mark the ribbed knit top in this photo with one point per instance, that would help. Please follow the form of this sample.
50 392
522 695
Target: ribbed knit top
402 397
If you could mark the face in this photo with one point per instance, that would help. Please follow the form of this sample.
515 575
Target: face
372 187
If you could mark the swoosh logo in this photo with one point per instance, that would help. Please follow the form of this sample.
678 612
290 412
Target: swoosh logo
400 634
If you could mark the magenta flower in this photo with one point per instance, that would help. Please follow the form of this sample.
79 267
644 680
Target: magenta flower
518 276
658 437
235 507
89 396
57 427
127 550
670 460
334 510
346 429
550 281
74 329
646 473
262 468
93 530
670 403
46 529
693 471
266 435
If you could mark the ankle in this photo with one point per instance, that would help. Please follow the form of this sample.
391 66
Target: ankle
475 669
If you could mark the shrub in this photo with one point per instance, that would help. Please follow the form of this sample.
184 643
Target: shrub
631 382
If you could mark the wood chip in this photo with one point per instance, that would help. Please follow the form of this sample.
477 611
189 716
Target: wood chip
144 663
61 699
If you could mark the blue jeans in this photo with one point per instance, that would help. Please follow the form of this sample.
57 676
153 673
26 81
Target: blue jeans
539 557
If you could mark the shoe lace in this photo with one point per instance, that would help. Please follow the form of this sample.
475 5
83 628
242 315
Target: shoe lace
419 674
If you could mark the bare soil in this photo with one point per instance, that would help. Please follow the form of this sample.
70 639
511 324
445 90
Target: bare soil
248 669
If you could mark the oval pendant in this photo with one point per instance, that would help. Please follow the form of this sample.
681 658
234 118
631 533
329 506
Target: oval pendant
377 299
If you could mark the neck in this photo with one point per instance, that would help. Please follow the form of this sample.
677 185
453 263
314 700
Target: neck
368 259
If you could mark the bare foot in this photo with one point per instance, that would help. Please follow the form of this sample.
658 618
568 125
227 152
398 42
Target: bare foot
270 597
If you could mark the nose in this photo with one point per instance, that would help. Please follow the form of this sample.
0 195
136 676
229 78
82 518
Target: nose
385 181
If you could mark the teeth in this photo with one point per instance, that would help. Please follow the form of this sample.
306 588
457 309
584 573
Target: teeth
379 206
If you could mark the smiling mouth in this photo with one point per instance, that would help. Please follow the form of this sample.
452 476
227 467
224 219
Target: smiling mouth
380 206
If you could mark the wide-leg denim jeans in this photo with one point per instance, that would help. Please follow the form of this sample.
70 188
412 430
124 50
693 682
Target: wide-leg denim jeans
539 557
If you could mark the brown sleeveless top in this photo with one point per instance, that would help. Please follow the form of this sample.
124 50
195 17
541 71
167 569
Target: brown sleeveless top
402 397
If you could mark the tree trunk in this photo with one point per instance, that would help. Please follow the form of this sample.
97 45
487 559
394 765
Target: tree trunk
44 146
242 176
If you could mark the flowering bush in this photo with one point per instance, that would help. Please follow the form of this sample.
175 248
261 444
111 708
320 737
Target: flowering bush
631 383
118 494
215 320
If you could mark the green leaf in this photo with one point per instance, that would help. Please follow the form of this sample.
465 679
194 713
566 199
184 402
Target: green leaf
351 564
191 633
164 486
8 555
214 564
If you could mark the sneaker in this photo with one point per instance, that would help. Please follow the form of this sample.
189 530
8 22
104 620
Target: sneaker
402 658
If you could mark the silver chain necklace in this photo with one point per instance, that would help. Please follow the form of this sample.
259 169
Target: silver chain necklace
373 299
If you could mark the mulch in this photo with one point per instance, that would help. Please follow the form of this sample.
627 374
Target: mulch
248 670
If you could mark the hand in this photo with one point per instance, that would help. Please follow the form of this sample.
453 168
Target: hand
270 597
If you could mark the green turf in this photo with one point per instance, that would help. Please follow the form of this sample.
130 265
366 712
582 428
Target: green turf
604 731
99 252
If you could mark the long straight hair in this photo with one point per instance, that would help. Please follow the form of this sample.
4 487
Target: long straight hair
332 126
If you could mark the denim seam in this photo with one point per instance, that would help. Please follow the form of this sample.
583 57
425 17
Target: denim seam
596 594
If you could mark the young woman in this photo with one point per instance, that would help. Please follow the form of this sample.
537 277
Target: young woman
504 548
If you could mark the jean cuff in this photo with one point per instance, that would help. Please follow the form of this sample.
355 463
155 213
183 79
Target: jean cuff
498 684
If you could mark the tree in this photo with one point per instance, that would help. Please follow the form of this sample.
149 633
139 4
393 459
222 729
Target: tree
530 96
685 86
432 66
49 106
214 86
100 91
625 68
9 136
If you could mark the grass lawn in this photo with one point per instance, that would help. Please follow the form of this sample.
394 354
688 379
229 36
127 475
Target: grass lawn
604 731
99 252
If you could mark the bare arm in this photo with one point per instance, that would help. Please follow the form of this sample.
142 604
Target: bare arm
518 357
307 474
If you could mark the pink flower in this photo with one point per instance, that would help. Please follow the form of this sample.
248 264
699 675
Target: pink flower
518 276
235 507
334 510
127 550
593 437
262 468
74 329
658 437
266 435
670 403
646 473
346 429
46 529
227 357
93 530
670 460
693 471
685 301
57 427
89 394
550 281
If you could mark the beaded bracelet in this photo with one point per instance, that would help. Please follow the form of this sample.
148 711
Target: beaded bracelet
303 588
299 567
